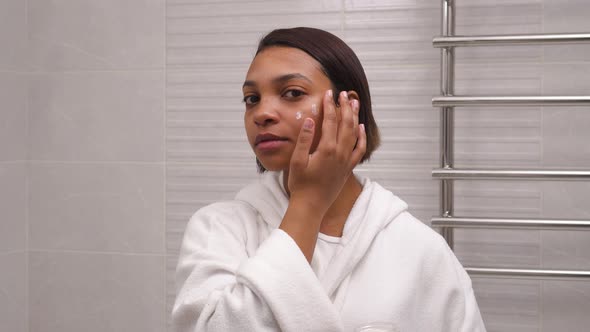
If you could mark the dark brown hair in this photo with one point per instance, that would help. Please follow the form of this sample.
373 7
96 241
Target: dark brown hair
340 64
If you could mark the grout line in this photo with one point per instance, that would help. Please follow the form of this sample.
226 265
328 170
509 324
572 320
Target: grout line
11 162
82 162
87 71
90 252
165 170
27 178
14 71
12 252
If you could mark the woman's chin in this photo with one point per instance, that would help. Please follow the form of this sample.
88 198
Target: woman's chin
273 168
274 165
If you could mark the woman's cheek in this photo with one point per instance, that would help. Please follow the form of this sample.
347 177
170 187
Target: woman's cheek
313 111
309 111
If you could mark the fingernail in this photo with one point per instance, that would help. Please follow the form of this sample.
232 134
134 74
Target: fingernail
362 126
344 94
329 93
308 123
354 103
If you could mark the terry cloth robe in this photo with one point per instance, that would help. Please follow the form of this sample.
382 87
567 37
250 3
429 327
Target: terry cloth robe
238 272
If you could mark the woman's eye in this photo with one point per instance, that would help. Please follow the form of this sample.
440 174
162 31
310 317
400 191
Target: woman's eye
293 93
250 100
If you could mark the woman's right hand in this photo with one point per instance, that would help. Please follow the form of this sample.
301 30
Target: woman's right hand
317 178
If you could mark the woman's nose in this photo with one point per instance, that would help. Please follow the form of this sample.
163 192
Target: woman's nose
265 113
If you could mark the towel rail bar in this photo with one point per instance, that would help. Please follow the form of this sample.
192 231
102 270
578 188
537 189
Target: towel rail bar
511 223
502 40
509 174
458 101
528 273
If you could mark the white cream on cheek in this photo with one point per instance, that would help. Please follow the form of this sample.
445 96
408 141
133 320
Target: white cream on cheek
314 112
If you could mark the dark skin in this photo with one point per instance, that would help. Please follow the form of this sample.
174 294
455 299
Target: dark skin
316 153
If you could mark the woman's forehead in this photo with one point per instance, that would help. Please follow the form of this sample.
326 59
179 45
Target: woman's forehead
278 61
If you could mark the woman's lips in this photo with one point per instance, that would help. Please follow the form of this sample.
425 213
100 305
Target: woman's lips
269 142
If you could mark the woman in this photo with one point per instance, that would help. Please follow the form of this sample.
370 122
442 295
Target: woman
312 246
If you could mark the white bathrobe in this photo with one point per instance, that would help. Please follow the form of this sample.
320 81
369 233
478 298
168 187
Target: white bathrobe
238 272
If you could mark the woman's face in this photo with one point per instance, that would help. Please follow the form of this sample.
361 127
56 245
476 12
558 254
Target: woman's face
283 86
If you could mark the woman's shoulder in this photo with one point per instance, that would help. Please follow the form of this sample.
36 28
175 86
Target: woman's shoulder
228 207
412 232
230 214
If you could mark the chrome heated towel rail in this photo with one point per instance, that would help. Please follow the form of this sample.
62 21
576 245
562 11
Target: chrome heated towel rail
447 173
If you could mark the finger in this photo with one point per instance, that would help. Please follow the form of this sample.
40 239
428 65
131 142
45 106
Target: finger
347 136
300 156
361 146
355 116
329 124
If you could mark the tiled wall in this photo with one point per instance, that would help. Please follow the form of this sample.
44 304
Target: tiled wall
566 135
124 117
13 166
97 174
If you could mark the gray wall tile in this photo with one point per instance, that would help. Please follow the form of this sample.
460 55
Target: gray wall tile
13 292
565 306
565 303
566 137
566 16
13 116
13 35
509 305
97 116
13 204
86 34
565 130
566 249
566 78
71 292
98 207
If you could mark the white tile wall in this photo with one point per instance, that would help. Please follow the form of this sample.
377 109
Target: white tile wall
97 176
566 135
566 16
509 305
97 116
13 118
565 305
13 204
94 292
13 35
13 292
96 35
115 207
13 166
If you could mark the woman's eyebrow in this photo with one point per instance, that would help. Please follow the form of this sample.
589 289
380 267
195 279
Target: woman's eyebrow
288 77
280 79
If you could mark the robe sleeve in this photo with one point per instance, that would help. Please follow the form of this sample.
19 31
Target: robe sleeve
221 288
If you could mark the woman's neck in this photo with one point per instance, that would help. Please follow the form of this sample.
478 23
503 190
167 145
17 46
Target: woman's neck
335 218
